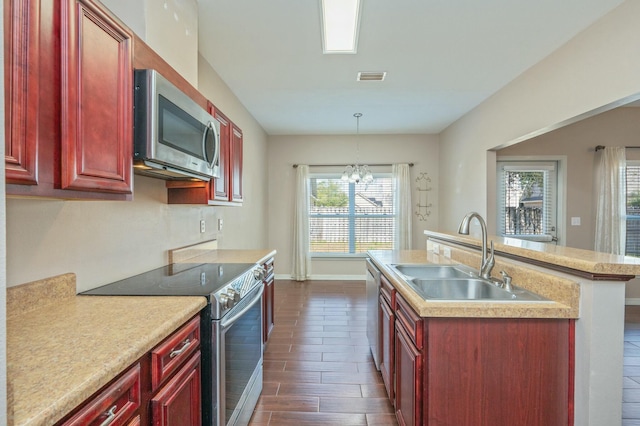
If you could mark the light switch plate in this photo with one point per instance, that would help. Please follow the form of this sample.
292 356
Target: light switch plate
575 221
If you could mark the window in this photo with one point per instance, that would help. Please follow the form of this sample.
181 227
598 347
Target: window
633 208
350 218
527 200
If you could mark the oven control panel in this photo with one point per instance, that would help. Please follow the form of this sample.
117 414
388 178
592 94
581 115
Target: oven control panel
232 293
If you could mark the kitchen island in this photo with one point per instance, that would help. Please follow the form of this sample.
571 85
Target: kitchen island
584 287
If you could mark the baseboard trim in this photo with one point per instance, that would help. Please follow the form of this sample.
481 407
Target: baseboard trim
326 277
632 301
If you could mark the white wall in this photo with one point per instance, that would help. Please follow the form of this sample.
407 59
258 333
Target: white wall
596 68
244 227
618 127
284 151
169 27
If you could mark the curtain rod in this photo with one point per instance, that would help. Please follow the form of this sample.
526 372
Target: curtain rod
342 165
599 147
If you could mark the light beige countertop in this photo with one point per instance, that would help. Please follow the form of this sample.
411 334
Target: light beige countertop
566 259
61 352
563 294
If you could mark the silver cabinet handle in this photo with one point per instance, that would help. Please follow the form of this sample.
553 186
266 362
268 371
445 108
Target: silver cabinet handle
184 347
111 415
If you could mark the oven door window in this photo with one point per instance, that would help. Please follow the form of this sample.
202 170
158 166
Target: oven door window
242 354
180 130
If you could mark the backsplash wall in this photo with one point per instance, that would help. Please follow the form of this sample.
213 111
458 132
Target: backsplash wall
101 241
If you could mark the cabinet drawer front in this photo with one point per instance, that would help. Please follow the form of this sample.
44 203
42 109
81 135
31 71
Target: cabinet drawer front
412 322
388 292
167 357
118 402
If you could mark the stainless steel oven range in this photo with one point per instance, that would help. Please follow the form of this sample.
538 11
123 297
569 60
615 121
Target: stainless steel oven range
231 330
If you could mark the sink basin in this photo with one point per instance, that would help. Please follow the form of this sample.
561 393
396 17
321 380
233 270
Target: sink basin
468 289
434 271
457 282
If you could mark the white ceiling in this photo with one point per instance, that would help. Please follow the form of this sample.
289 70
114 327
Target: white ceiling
442 58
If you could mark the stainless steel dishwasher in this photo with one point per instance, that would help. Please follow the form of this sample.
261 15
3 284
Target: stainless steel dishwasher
373 292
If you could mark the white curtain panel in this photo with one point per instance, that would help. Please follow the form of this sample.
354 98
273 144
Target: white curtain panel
402 181
301 259
611 226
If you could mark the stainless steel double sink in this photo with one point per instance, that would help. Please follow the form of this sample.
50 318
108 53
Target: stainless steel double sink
458 283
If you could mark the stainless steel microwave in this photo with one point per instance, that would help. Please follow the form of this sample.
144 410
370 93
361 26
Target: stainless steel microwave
174 137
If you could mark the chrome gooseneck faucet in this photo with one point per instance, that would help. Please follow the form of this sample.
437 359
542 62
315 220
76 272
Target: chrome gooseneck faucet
487 262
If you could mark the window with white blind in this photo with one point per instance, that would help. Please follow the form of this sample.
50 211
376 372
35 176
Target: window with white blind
633 208
350 218
527 199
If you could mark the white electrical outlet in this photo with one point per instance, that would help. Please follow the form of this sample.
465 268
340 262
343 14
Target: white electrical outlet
447 252
219 224
202 226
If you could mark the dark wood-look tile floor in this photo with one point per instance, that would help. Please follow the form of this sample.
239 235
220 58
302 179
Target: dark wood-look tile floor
631 380
318 369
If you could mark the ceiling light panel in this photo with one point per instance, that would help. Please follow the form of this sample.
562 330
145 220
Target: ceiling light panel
340 25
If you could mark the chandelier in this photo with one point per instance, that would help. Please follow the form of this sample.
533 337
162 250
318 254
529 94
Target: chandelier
356 173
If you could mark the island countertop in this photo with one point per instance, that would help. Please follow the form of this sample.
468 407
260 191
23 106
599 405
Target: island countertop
563 293
586 263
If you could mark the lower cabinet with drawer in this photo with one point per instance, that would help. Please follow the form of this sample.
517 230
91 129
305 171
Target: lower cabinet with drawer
161 388
482 371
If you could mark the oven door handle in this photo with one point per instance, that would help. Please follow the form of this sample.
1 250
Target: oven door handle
227 322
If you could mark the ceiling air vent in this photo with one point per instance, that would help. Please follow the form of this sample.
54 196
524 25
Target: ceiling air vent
371 76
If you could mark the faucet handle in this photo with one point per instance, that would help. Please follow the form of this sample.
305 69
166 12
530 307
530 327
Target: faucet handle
506 281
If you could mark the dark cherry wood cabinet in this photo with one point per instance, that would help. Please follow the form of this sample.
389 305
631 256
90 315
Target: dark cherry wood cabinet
268 300
161 388
409 364
499 372
21 85
482 371
220 187
68 128
179 401
97 100
235 160
386 321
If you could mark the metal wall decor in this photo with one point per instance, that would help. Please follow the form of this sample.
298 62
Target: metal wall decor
423 186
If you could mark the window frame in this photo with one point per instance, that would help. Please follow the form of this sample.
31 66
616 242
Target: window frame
636 165
338 176
531 163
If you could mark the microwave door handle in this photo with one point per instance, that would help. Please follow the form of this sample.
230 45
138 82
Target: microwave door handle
216 144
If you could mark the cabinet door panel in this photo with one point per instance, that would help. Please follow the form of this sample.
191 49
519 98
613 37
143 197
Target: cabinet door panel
21 82
178 402
96 107
220 186
387 321
409 383
236 163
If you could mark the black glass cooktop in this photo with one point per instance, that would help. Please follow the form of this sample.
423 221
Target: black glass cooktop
181 279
